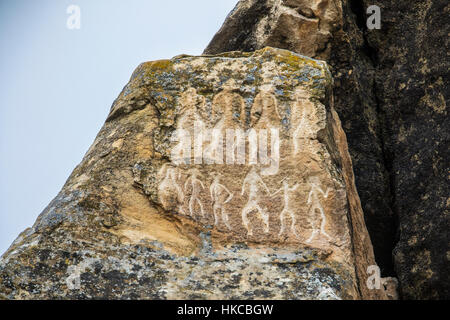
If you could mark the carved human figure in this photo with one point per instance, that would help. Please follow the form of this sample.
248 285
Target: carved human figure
170 193
229 108
264 113
220 195
287 209
318 223
196 187
191 124
252 184
300 119
190 103
265 118
298 132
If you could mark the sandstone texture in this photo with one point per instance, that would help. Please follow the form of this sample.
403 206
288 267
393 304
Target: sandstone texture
391 93
215 177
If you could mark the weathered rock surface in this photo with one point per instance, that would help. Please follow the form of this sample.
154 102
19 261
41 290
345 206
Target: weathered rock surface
391 94
165 205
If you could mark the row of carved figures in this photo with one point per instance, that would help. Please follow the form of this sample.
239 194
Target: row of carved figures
264 114
252 186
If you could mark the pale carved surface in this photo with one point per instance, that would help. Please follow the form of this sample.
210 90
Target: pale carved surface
283 187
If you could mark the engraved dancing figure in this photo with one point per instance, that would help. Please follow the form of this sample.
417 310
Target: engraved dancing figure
195 186
252 184
287 210
217 191
313 199
170 193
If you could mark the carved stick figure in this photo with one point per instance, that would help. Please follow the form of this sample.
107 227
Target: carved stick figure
217 190
195 186
254 182
229 107
190 103
287 210
303 129
266 106
169 190
302 132
298 132
313 199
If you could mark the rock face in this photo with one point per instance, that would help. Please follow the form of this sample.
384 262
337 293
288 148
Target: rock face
214 177
390 92
303 26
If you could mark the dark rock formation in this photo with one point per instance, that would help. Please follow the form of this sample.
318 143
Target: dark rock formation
411 57
391 93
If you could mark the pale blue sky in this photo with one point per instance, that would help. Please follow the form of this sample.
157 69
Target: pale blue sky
57 85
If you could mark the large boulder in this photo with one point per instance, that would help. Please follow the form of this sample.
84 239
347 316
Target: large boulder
224 177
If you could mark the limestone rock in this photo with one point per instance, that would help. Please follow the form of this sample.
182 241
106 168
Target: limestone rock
390 92
214 177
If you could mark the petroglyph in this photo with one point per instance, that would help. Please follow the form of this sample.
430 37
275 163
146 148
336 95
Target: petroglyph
232 146
194 184
272 161
220 195
228 113
229 108
264 111
318 223
223 136
190 223
302 122
170 193
287 210
265 117
252 185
